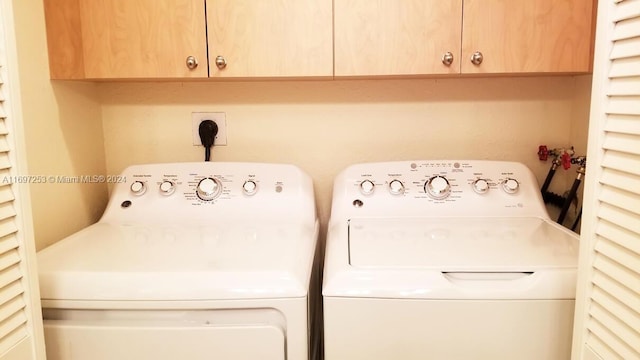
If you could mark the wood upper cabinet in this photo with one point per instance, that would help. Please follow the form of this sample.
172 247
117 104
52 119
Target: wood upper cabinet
410 37
535 36
153 39
98 39
128 39
275 38
396 37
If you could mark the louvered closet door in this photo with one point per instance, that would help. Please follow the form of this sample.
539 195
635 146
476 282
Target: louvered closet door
20 315
608 307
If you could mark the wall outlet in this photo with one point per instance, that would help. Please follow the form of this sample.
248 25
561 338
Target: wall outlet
219 118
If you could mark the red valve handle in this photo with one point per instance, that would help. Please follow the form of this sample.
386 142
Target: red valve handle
543 153
566 160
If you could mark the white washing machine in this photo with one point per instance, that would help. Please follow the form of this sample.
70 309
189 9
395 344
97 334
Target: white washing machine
446 260
189 261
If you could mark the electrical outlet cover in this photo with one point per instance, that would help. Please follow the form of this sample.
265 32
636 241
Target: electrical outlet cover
219 118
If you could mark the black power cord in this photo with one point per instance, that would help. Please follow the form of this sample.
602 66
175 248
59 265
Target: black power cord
208 130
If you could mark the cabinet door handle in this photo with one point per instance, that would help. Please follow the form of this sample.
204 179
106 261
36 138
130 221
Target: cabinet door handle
191 62
221 63
447 58
476 58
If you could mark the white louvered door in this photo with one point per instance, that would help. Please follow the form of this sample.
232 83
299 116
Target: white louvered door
20 315
607 322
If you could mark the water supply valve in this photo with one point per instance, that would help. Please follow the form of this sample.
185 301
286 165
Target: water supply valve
543 153
579 160
560 156
566 160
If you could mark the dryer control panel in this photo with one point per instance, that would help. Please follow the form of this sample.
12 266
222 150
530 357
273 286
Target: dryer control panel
437 188
210 191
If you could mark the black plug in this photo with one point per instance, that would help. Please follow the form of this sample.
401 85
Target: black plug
208 130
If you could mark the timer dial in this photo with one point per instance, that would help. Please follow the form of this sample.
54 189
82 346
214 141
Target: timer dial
138 188
481 186
208 189
510 185
437 187
396 187
367 187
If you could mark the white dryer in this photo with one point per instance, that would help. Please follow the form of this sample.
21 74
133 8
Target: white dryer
446 260
189 261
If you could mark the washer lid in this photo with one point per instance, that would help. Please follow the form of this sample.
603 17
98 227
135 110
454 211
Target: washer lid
164 262
451 258
461 244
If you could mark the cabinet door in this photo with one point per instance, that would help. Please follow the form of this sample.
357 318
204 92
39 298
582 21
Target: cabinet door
269 38
143 38
106 39
537 36
396 37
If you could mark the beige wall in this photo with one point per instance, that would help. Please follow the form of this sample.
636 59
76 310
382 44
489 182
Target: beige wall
324 126
580 117
63 135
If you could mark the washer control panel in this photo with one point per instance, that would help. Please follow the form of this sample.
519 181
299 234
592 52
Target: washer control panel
182 190
438 187
205 188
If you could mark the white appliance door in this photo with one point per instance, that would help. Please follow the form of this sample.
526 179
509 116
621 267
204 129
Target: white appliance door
453 258
72 340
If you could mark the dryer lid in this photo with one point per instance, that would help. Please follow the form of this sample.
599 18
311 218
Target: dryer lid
461 244
165 262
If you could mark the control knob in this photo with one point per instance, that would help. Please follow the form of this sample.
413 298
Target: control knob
208 189
396 187
367 187
510 185
437 187
481 186
167 187
138 188
249 187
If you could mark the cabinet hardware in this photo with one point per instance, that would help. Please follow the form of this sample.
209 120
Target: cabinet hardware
221 63
476 58
192 62
447 58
